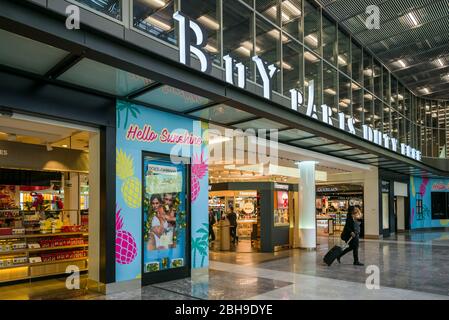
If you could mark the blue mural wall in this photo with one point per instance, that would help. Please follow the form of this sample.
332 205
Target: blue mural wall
420 190
143 129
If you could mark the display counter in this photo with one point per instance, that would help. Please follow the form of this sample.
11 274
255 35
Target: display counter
325 226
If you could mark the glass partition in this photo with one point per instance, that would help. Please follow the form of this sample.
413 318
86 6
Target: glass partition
155 17
111 8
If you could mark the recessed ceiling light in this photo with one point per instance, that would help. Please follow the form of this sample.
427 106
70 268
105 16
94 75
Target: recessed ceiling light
211 48
65 146
412 17
158 23
312 40
425 90
310 57
156 3
330 91
292 8
209 22
402 63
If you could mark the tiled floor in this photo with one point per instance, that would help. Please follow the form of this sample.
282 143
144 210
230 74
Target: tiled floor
412 266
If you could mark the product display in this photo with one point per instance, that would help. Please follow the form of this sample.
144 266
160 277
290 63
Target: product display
32 239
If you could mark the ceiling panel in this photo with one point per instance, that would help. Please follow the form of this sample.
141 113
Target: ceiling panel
260 124
172 98
222 114
101 77
28 55
414 31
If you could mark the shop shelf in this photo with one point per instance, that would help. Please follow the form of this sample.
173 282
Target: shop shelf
53 262
57 248
41 235
13 252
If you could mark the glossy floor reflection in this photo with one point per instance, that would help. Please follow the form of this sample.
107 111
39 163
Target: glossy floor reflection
411 266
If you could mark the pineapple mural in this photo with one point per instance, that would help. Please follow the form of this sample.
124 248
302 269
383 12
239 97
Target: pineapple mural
131 186
199 170
125 245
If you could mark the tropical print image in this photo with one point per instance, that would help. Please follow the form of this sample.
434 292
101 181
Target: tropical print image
164 214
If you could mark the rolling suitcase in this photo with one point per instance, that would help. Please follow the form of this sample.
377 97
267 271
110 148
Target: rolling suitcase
334 253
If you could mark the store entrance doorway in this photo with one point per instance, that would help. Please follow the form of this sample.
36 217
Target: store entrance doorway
332 204
237 217
48 196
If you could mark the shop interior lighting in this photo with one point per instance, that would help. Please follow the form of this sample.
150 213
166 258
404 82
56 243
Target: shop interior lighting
341 60
275 34
248 45
156 3
49 147
292 8
412 17
287 66
310 57
211 48
368 72
158 23
243 51
330 91
312 40
209 22
272 12
425 90
440 62
402 63
355 86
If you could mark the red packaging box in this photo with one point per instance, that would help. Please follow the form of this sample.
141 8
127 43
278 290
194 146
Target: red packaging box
5 231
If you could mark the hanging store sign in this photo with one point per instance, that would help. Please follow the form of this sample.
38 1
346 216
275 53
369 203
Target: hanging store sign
278 186
190 30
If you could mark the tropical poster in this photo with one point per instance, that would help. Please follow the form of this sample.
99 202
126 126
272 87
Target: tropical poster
142 130
164 215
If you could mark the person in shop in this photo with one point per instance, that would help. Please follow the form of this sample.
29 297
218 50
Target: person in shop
351 233
212 221
232 217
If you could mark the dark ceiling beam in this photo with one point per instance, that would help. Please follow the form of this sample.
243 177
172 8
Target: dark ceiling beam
65 64
402 14
437 21
205 106
409 67
141 91
324 145
243 121
299 139
390 51
355 14
440 90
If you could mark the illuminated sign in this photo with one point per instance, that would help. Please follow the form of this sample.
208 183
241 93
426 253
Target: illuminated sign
193 41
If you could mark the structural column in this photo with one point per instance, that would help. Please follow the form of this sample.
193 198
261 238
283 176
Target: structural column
307 214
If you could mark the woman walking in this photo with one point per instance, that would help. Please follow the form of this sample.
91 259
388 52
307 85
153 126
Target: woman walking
351 233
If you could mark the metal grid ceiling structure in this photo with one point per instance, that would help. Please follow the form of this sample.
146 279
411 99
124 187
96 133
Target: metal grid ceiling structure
413 39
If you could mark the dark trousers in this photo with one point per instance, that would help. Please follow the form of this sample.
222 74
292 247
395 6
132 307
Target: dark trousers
354 247
234 233
211 233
